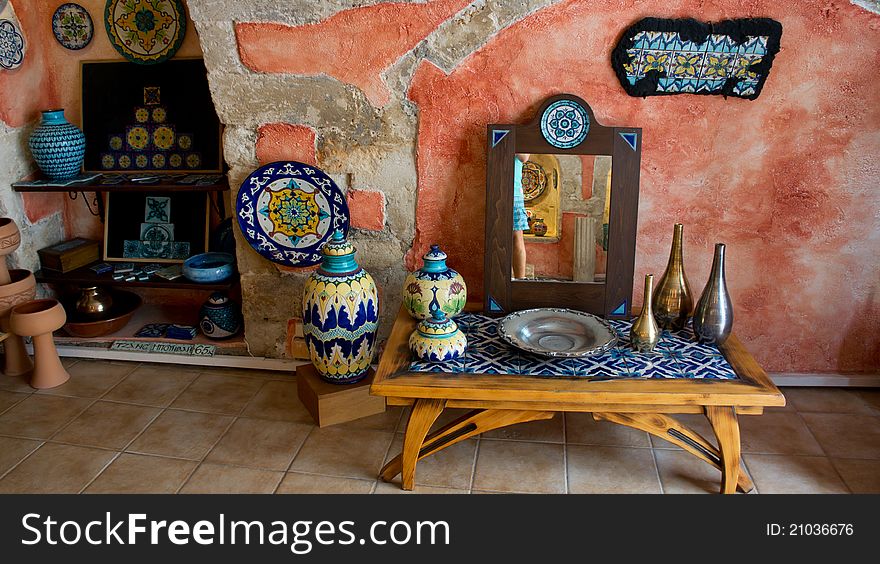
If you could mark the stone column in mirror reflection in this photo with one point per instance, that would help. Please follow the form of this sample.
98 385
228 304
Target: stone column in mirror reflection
673 301
713 315
645 334
584 266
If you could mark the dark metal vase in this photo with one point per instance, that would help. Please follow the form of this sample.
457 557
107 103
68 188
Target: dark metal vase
713 315
673 300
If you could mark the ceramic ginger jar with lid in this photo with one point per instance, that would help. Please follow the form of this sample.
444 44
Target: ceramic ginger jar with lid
437 339
435 277
340 314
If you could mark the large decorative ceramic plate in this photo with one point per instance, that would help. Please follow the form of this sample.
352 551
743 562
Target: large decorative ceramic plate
145 31
72 26
11 45
534 181
557 332
287 210
565 124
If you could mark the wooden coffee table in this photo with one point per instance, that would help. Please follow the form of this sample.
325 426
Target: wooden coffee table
499 400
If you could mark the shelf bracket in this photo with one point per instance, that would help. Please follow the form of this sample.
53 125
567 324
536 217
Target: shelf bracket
96 206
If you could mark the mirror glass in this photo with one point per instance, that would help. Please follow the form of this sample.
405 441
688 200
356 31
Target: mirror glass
560 217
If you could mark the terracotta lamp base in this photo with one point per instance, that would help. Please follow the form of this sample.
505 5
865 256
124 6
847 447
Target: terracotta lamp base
38 319
20 289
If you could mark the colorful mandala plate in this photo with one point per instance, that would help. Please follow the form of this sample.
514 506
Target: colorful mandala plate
534 181
287 210
145 31
72 26
565 124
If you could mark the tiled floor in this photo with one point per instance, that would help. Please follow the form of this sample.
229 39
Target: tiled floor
125 427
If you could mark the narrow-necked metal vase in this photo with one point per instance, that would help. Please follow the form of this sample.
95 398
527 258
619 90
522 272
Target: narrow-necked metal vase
645 334
673 301
713 315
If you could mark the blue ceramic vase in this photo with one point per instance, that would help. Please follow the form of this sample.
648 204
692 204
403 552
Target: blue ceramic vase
340 314
58 146
220 317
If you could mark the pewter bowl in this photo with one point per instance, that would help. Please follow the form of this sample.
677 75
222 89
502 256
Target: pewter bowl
556 332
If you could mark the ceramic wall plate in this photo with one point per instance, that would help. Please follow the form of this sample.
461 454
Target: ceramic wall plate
565 124
287 210
556 332
145 31
11 45
534 181
72 26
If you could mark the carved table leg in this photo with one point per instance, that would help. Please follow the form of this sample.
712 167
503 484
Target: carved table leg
669 429
424 413
470 424
726 429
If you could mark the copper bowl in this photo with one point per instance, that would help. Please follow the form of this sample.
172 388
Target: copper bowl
119 314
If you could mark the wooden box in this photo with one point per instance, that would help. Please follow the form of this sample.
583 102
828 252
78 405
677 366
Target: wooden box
330 404
70 255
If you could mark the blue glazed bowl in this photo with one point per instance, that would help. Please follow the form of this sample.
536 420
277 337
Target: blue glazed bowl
207 268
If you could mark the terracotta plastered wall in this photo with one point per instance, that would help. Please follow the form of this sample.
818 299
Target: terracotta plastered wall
24 91
392 98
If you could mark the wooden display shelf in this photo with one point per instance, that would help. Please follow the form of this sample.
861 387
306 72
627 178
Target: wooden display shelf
159 313
166 183
85 277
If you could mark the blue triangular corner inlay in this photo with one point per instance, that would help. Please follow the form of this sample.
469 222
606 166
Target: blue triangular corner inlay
498 135
621 309
493 305
631 139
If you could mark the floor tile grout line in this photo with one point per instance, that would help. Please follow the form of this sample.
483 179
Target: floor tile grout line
225 432
25 457
72 419
101 471
657 471
26 396
825 452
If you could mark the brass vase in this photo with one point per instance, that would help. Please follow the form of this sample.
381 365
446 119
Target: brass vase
645 334
673 301
713 315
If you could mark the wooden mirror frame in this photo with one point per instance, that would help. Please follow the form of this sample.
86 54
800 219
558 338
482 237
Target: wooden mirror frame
611 299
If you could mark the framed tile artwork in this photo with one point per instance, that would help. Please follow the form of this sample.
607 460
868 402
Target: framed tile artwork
156 118
158 227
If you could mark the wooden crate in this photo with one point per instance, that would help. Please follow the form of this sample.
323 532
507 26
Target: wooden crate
330 404
70 255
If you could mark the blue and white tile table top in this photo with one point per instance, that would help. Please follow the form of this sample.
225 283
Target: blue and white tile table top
677 356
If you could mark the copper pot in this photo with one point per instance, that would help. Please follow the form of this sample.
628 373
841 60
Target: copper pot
94 302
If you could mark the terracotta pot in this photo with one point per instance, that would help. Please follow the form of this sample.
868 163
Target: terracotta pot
21 288
10 239
38 319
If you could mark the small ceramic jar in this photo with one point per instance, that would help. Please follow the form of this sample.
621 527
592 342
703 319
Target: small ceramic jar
219 317
435 277
539 228
437 339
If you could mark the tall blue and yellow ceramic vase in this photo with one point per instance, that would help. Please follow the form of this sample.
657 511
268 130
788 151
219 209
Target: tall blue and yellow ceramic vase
340 315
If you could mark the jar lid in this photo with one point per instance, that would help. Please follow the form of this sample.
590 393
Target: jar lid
438 325
338 246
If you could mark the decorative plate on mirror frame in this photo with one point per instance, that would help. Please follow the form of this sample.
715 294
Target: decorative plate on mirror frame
72 26
145 32
565 124
557 332
287 210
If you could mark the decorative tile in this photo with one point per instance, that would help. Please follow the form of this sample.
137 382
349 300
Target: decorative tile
653 365
696 58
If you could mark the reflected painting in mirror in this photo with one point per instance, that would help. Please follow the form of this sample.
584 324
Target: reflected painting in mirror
561 207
